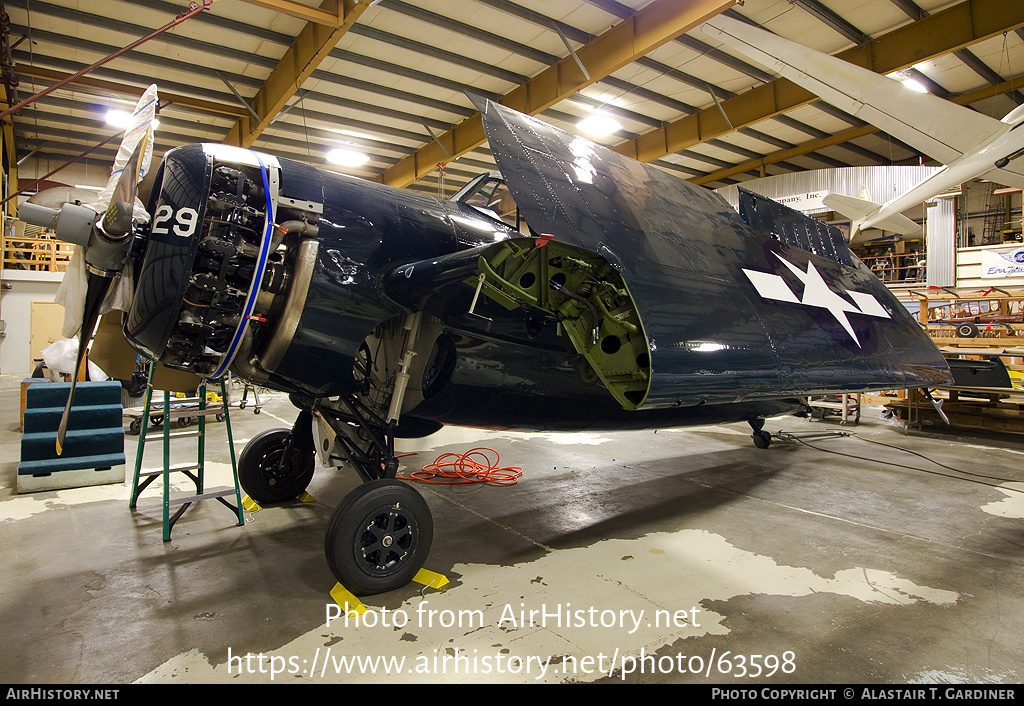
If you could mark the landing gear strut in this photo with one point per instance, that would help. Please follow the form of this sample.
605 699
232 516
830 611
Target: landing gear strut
366 440
380 534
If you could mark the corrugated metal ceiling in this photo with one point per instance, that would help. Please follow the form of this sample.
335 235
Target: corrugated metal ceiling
397 77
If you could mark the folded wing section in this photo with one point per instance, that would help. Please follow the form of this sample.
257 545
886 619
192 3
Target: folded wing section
693 275
793 228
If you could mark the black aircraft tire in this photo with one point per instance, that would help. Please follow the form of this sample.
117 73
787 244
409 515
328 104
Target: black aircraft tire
966 330
762 439
378 537
260 473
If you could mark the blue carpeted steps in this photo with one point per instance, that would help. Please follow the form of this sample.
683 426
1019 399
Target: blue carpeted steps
95 416
93 446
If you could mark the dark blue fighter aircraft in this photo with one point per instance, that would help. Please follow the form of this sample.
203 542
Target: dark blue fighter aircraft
576 289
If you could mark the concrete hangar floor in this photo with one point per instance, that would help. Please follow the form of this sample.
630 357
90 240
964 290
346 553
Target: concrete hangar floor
683 556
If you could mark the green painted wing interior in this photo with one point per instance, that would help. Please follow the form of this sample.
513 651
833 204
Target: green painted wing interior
597 315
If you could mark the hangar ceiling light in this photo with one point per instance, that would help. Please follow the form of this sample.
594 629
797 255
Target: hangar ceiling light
347 158
906 77
599 125
122 118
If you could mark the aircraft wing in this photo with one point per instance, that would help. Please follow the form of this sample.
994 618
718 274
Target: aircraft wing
733 306
938 128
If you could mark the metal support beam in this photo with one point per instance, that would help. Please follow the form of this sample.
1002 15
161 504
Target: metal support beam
572 53
192 12
123 89
238 96
434 138
982 69
27 156
782 155
910 8
319 15
309 49
289 108
833 20
944 32
657 23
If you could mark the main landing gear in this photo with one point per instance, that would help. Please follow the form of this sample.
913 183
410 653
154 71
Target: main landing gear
380 534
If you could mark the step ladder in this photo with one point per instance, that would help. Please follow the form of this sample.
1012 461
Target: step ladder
193 471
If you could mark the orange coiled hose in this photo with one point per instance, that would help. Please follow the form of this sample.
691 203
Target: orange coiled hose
474 466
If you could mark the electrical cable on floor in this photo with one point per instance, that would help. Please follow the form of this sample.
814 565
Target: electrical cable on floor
474 466
792 437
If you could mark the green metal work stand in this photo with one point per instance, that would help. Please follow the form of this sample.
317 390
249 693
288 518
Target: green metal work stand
193 471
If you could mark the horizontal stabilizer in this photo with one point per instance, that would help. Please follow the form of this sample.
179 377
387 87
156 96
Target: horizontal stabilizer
897 223
851 206
863 214
1011 175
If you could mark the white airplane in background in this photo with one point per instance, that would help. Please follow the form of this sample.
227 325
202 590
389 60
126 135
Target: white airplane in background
969 144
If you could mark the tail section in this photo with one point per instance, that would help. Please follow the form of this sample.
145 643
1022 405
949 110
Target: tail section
866 214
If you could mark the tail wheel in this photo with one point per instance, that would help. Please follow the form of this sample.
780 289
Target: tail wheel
378 537
264 475
762 439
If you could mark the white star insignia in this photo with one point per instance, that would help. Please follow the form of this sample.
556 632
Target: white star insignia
817 294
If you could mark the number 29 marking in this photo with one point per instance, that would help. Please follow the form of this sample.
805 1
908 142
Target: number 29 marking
185 221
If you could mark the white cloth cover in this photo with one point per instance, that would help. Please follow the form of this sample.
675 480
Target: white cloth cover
71 293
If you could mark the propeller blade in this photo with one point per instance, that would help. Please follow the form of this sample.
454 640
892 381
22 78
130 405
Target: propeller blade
96 292
117 219
109 240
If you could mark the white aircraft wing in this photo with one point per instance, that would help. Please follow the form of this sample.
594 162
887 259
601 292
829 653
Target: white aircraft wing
938 128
